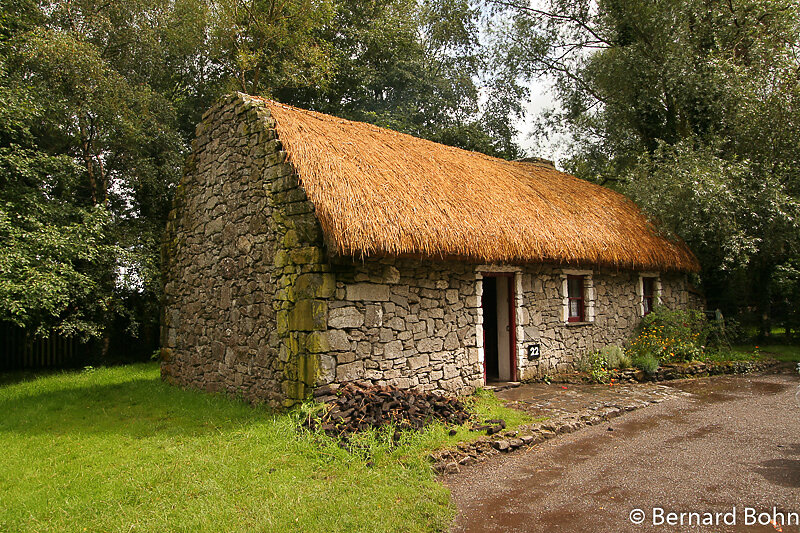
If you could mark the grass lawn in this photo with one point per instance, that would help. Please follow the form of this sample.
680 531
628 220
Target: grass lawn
781 352
115 449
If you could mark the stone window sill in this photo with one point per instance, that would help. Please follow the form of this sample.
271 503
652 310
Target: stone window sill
577 324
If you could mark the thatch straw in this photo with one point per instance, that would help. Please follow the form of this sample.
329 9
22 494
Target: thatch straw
379 192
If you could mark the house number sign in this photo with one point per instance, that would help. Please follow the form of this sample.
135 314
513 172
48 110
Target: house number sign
534 351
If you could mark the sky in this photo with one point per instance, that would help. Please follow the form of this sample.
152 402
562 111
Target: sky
541 99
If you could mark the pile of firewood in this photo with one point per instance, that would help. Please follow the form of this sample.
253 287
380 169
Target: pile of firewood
356 408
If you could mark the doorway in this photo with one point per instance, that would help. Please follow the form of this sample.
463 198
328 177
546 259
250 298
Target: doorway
499 327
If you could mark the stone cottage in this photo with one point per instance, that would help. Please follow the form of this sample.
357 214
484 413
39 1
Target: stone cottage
306 250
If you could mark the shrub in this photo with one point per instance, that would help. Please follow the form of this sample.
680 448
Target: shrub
596 366
615 357
670 336
647 362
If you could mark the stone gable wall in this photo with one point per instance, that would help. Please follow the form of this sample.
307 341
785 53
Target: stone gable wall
246 285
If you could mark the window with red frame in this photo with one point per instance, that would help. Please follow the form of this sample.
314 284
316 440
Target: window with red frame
575 296
648 294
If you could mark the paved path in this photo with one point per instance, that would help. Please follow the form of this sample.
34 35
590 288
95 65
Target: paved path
734 441
568 400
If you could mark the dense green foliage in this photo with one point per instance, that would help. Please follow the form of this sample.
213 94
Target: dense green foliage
51 247
693 109
98 102
667 336
411 66
189 461
91 149
690 107
681 336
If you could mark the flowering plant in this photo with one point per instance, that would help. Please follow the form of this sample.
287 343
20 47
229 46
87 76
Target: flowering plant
671 336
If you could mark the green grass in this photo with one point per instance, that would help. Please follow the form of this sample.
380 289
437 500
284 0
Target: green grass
781 352
775 331
726 355
115 449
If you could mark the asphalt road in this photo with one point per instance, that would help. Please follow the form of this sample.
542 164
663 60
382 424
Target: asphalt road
733 444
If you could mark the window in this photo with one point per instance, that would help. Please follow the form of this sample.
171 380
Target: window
575 299
577 293
648 294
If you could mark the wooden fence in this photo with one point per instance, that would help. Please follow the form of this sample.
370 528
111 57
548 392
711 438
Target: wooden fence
19 350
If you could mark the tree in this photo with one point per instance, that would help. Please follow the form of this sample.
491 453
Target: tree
690 107
90 155
49 247
266 45
412 66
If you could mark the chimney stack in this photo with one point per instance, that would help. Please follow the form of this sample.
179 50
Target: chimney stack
538 161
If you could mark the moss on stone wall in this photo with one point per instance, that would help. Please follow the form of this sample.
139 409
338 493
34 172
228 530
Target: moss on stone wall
305 284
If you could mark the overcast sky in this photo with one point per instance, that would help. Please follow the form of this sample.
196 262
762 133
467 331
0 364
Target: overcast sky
541 99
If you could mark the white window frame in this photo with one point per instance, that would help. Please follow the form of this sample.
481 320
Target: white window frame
656 276
588 295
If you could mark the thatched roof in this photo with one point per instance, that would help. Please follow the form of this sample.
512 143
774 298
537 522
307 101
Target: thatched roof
379 192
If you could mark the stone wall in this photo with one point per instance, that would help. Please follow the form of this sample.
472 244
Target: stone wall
419 323
616 311
245 281
405 323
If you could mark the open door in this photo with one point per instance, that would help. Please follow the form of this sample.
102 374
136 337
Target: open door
499 327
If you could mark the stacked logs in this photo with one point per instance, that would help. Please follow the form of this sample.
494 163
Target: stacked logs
355 408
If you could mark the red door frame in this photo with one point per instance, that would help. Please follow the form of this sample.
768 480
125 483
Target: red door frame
512 322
